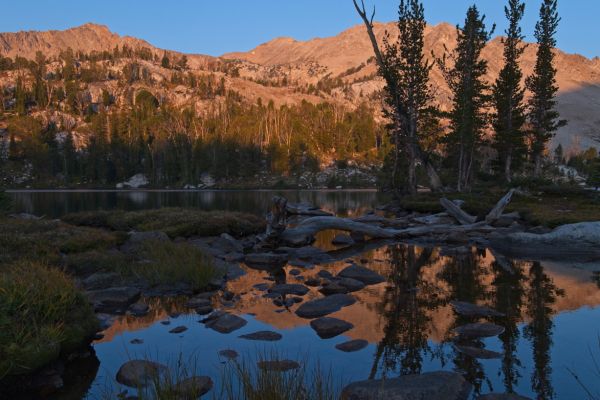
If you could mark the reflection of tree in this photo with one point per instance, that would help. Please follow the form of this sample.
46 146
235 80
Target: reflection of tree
508 299
405 306
541 295
462 274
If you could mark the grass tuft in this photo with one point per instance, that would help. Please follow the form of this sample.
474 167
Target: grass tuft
172 263
41 315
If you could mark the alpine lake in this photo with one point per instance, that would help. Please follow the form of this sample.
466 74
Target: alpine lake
548 311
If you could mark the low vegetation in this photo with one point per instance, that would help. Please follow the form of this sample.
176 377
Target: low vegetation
172 263
44 240
41 315
175 222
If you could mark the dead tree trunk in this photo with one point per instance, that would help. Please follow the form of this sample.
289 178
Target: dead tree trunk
499 208
461 216
399 109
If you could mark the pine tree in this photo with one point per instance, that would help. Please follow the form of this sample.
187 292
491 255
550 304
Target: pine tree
165 63
594 175
469 96
559 157
509 113
20 97
543 117
407 61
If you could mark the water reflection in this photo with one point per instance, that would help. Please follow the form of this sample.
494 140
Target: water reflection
408 320
55 203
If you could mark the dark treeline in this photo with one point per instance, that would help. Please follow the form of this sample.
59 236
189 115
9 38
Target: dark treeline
173 146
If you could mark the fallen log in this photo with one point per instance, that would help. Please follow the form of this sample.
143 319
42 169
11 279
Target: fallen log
497 211
455 211
304 232
306 209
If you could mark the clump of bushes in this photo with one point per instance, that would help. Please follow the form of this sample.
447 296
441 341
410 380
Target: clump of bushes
175 222
42 314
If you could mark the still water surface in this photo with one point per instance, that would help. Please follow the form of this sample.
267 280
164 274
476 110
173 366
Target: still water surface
551 326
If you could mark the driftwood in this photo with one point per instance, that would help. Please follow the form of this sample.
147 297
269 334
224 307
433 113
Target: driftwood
374 226
305 231
306 209
497 211
461 216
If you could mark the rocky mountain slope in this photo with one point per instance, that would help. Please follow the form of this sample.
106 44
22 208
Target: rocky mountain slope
337 69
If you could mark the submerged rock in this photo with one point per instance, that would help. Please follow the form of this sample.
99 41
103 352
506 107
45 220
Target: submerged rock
267 336
352 285
278 365
113 299
362 274
229 354
139 309
226 323
477 352
324 306
289 288
274 259
479 330
179 329
333 288
439 385
139 373
473 310
352 345
194 387
327 327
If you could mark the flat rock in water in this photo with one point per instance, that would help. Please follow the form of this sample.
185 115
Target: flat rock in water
226 323
179 329
324 306
352 285
194 387
365 275
198 302
300 264
312 282
203 310
477 352
502 396
342 240
139 309
333 288
267 259
113 298
289 288
325 274
267 336
473 310
441 385
479 330
327 327
139 373
352 345
229 354
278 365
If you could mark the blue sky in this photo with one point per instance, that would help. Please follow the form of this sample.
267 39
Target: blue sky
216 27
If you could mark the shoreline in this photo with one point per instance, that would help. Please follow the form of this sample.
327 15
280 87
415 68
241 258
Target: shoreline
366 190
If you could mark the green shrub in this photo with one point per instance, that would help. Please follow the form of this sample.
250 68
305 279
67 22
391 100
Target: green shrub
41 315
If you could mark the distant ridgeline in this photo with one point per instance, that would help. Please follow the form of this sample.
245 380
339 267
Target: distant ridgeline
97 119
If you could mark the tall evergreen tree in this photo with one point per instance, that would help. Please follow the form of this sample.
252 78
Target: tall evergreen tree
408 61
470 96
509 114
543 117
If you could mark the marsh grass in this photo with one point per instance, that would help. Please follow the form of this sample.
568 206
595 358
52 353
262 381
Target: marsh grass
171 263
175 222
45 240
243 380
240 380
41 314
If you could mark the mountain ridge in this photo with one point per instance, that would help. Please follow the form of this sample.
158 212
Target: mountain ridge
345 58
